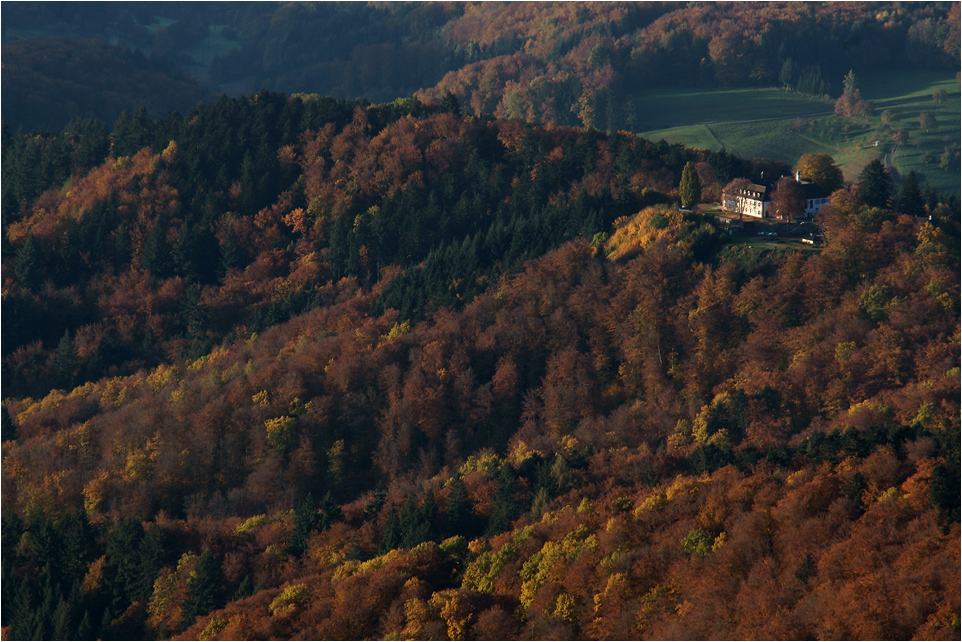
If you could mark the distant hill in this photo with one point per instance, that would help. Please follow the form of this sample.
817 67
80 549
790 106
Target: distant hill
565 63
47 82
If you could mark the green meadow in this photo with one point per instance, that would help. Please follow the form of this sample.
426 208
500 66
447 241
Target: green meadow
772 123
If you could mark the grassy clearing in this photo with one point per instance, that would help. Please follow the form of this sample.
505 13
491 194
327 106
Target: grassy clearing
674 108
923 150
696 136
783 131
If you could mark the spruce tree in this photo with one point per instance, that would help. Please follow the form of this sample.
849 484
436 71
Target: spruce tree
204 588
9 428
122 567
231 253
874 185
391 533
458 516
156 255
64 362
910 199
26 263
330 511
154 554
507 501
305 521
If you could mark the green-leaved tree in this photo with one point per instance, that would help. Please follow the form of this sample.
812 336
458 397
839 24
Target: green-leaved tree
690 187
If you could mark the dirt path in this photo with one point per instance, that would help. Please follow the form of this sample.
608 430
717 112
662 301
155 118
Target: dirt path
890 155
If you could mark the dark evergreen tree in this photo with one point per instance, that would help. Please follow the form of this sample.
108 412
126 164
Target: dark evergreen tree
122 565
459 518
391 533
156 254
196 253
84 628
154 554
204 589
8 429
231 253
417 523
131 132
92 142
330 511
64 621
78 544
64 362
806 568
507 501
24 617
910 200
245 589
122 247
305 521
874 185
945 488
26 263
451 104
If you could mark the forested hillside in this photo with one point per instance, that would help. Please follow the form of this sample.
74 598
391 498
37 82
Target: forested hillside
567 63
311 367
47 82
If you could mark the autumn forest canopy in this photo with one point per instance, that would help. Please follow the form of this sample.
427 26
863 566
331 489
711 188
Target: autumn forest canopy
286 365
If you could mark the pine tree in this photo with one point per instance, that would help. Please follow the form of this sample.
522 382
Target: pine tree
690 188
